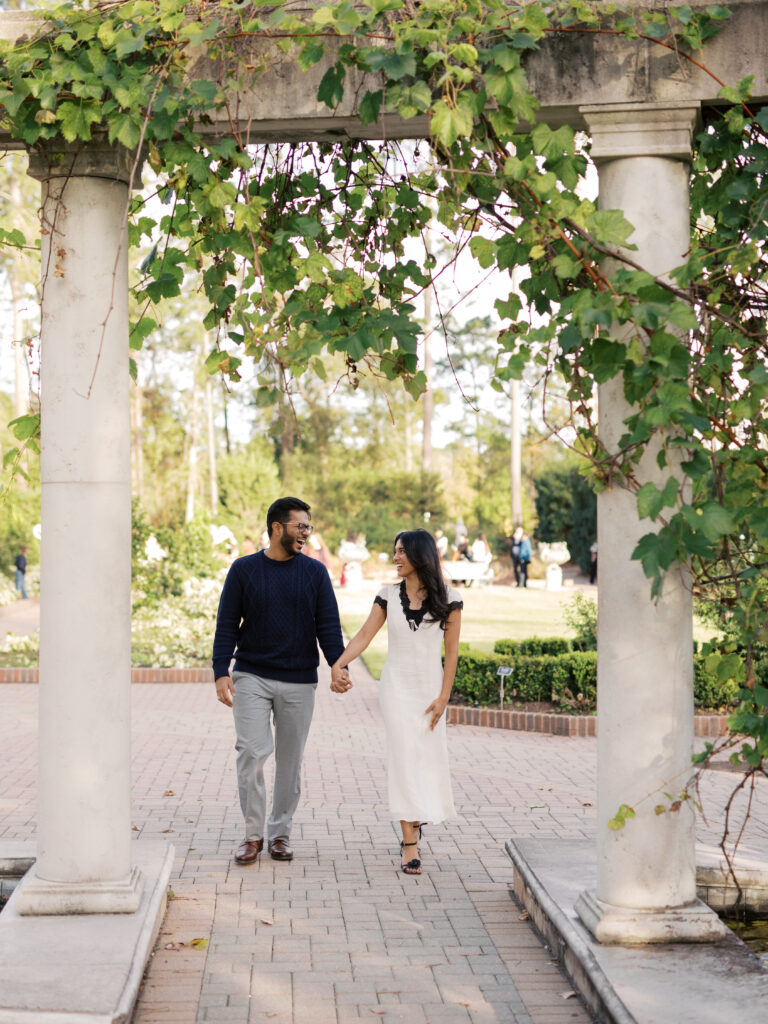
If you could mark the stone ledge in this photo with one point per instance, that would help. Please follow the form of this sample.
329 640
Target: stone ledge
84 968
689 983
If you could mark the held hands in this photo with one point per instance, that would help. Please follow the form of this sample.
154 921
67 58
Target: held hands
340 681
225 691
436 709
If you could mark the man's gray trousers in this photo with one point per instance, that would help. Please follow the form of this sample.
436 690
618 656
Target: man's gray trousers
291 704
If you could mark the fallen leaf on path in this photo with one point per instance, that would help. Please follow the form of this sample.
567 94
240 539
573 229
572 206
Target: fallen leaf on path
199 943
586 805
265 921
166 830
175 946
379 1012
135 828
169 792
569 995
524 916
545 789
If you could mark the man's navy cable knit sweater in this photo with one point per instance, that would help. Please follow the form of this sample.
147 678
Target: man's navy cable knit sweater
272 615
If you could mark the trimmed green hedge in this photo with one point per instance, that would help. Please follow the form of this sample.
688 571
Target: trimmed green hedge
708 691
534 645
568 678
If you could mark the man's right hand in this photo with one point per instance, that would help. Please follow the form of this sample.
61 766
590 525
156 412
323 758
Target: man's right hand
225 691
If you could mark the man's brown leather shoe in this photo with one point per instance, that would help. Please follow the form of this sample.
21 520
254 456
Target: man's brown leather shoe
247 852
280 850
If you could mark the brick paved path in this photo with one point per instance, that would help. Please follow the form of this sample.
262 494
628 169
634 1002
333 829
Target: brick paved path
339 934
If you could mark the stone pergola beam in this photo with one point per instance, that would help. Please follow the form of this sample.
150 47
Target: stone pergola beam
569 71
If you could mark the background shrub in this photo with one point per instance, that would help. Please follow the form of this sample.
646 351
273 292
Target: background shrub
580 616
568 679
534 645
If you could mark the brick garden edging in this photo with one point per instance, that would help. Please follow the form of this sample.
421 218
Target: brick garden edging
704 726
523 721
709 726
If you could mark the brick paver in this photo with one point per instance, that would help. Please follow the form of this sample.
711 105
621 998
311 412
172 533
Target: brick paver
340 934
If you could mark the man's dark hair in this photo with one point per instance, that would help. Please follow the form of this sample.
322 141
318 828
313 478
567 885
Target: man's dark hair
279 511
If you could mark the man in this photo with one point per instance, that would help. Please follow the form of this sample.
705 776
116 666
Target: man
20 576
275 607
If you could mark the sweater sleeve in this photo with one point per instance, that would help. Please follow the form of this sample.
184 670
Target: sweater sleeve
227 623
327 624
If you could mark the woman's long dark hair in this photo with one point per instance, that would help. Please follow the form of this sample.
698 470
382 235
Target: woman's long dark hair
422 553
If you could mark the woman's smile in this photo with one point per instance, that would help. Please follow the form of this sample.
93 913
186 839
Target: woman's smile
401 562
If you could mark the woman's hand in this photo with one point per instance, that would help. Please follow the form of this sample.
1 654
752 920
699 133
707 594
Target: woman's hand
340 680
436 709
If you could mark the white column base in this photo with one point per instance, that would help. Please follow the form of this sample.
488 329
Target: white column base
626 926
37 896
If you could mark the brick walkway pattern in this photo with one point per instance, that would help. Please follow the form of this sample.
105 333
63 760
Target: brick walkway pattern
339 934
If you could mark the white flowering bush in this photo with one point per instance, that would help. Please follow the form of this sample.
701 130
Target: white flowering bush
8 593
177 632
20 651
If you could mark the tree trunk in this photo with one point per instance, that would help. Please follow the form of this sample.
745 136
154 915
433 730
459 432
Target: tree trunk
227 442
428 399
515 456
408 434
194 441
212 477
137 430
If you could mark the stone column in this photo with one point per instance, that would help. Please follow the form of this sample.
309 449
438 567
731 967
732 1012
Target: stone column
646 874
84 856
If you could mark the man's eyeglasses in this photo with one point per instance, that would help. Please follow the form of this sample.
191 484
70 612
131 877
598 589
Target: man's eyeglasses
301 527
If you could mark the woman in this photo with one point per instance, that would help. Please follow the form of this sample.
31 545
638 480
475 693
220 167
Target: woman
421 613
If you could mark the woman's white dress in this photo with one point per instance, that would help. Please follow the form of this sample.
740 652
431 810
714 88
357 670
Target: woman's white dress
419 783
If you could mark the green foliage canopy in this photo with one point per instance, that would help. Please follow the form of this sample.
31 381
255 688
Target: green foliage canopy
307 257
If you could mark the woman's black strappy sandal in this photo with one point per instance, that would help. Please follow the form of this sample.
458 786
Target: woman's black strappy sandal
412 867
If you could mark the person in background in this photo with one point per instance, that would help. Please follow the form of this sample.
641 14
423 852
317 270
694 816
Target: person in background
525 558
274 610
593 563
480 550
20 576
442 544
514 551
317 548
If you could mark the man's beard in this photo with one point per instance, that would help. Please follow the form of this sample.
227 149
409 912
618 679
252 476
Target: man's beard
287 542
